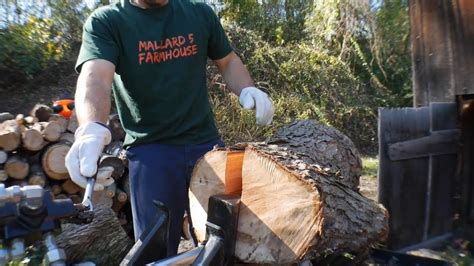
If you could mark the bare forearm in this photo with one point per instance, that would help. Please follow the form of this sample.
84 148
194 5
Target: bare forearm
236 75
92 99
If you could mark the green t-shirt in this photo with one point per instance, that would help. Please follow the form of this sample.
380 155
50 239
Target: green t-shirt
160 55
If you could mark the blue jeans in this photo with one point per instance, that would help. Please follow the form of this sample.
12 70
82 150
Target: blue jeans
162 172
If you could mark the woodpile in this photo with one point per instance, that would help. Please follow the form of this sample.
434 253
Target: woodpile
295 203
33 149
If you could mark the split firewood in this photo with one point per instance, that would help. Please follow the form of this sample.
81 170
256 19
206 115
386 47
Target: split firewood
73 124
53 160
41 112
103 241
9 135
17 167
37 176
32 139
67 136
118 134
6 116
120 200
323 146
290 210
3 156
70 187
115 163
60 120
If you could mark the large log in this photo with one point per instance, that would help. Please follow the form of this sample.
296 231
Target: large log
9 135
53 160
290 210
103 241
17 167
324 146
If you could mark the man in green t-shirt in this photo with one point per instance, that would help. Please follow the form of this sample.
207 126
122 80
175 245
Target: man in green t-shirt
153 54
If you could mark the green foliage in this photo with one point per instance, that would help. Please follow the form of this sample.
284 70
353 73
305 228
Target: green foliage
303 84
30 46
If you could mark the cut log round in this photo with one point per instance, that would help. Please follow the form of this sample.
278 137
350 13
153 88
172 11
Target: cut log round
51 130
9 135
60 120
290 210
17 167
103 241
53 160
209 178
324 146
41 112
3 156
70 187
37 176
32 139
56 189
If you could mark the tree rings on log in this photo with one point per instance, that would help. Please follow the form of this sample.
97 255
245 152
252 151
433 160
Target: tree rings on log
53 161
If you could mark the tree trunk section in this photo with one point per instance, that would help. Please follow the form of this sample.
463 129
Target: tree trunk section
103 241
53 161
60 120
17 167
290 210
9 135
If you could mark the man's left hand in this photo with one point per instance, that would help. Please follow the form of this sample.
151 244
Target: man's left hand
251 97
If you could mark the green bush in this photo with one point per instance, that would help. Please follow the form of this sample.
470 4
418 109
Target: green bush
304 83
28 48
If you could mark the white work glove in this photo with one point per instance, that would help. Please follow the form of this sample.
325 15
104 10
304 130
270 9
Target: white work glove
83 157
251 97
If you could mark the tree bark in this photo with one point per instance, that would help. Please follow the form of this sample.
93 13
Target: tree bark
324 146
103 241
290 210
9 135
53 160
17 167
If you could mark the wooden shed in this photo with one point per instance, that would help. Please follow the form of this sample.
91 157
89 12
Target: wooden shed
426 172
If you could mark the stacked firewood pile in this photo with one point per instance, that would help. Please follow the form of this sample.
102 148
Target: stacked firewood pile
33 150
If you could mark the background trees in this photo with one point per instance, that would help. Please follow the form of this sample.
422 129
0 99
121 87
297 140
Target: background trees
334 61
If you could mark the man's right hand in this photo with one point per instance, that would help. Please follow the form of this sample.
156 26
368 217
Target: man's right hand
83 157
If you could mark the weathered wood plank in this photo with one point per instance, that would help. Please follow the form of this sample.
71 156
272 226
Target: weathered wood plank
400 182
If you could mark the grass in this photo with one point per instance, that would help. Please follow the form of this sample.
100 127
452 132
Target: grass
370 166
